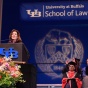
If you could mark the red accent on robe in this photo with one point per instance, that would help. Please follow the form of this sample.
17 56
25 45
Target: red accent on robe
70 75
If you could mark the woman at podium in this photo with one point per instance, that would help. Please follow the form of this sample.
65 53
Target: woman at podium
14 36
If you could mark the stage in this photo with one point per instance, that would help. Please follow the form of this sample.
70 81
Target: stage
49 85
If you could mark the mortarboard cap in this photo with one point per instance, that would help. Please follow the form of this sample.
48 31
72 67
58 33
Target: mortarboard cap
71 63
77 59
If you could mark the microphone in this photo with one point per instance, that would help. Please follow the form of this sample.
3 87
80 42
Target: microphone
4 40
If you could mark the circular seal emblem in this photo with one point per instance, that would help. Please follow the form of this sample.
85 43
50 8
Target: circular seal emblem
52 51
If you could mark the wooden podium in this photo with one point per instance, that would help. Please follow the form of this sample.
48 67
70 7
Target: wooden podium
18 50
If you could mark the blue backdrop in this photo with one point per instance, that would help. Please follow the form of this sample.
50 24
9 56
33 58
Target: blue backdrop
48 40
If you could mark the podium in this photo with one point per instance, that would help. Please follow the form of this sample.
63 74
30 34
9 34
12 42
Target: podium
20 55
30 75
17 50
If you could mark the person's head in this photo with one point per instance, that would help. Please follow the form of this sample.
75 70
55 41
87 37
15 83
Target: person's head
71 66
15 35
87 61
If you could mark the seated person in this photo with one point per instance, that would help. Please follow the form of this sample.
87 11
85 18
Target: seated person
77 68
85 78
71 79
84 69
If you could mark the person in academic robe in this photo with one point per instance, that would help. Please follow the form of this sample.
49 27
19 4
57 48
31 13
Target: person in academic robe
77 66
71 79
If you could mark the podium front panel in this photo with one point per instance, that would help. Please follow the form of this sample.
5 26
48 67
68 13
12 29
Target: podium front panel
17 50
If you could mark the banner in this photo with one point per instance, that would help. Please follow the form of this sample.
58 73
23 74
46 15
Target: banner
54 11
